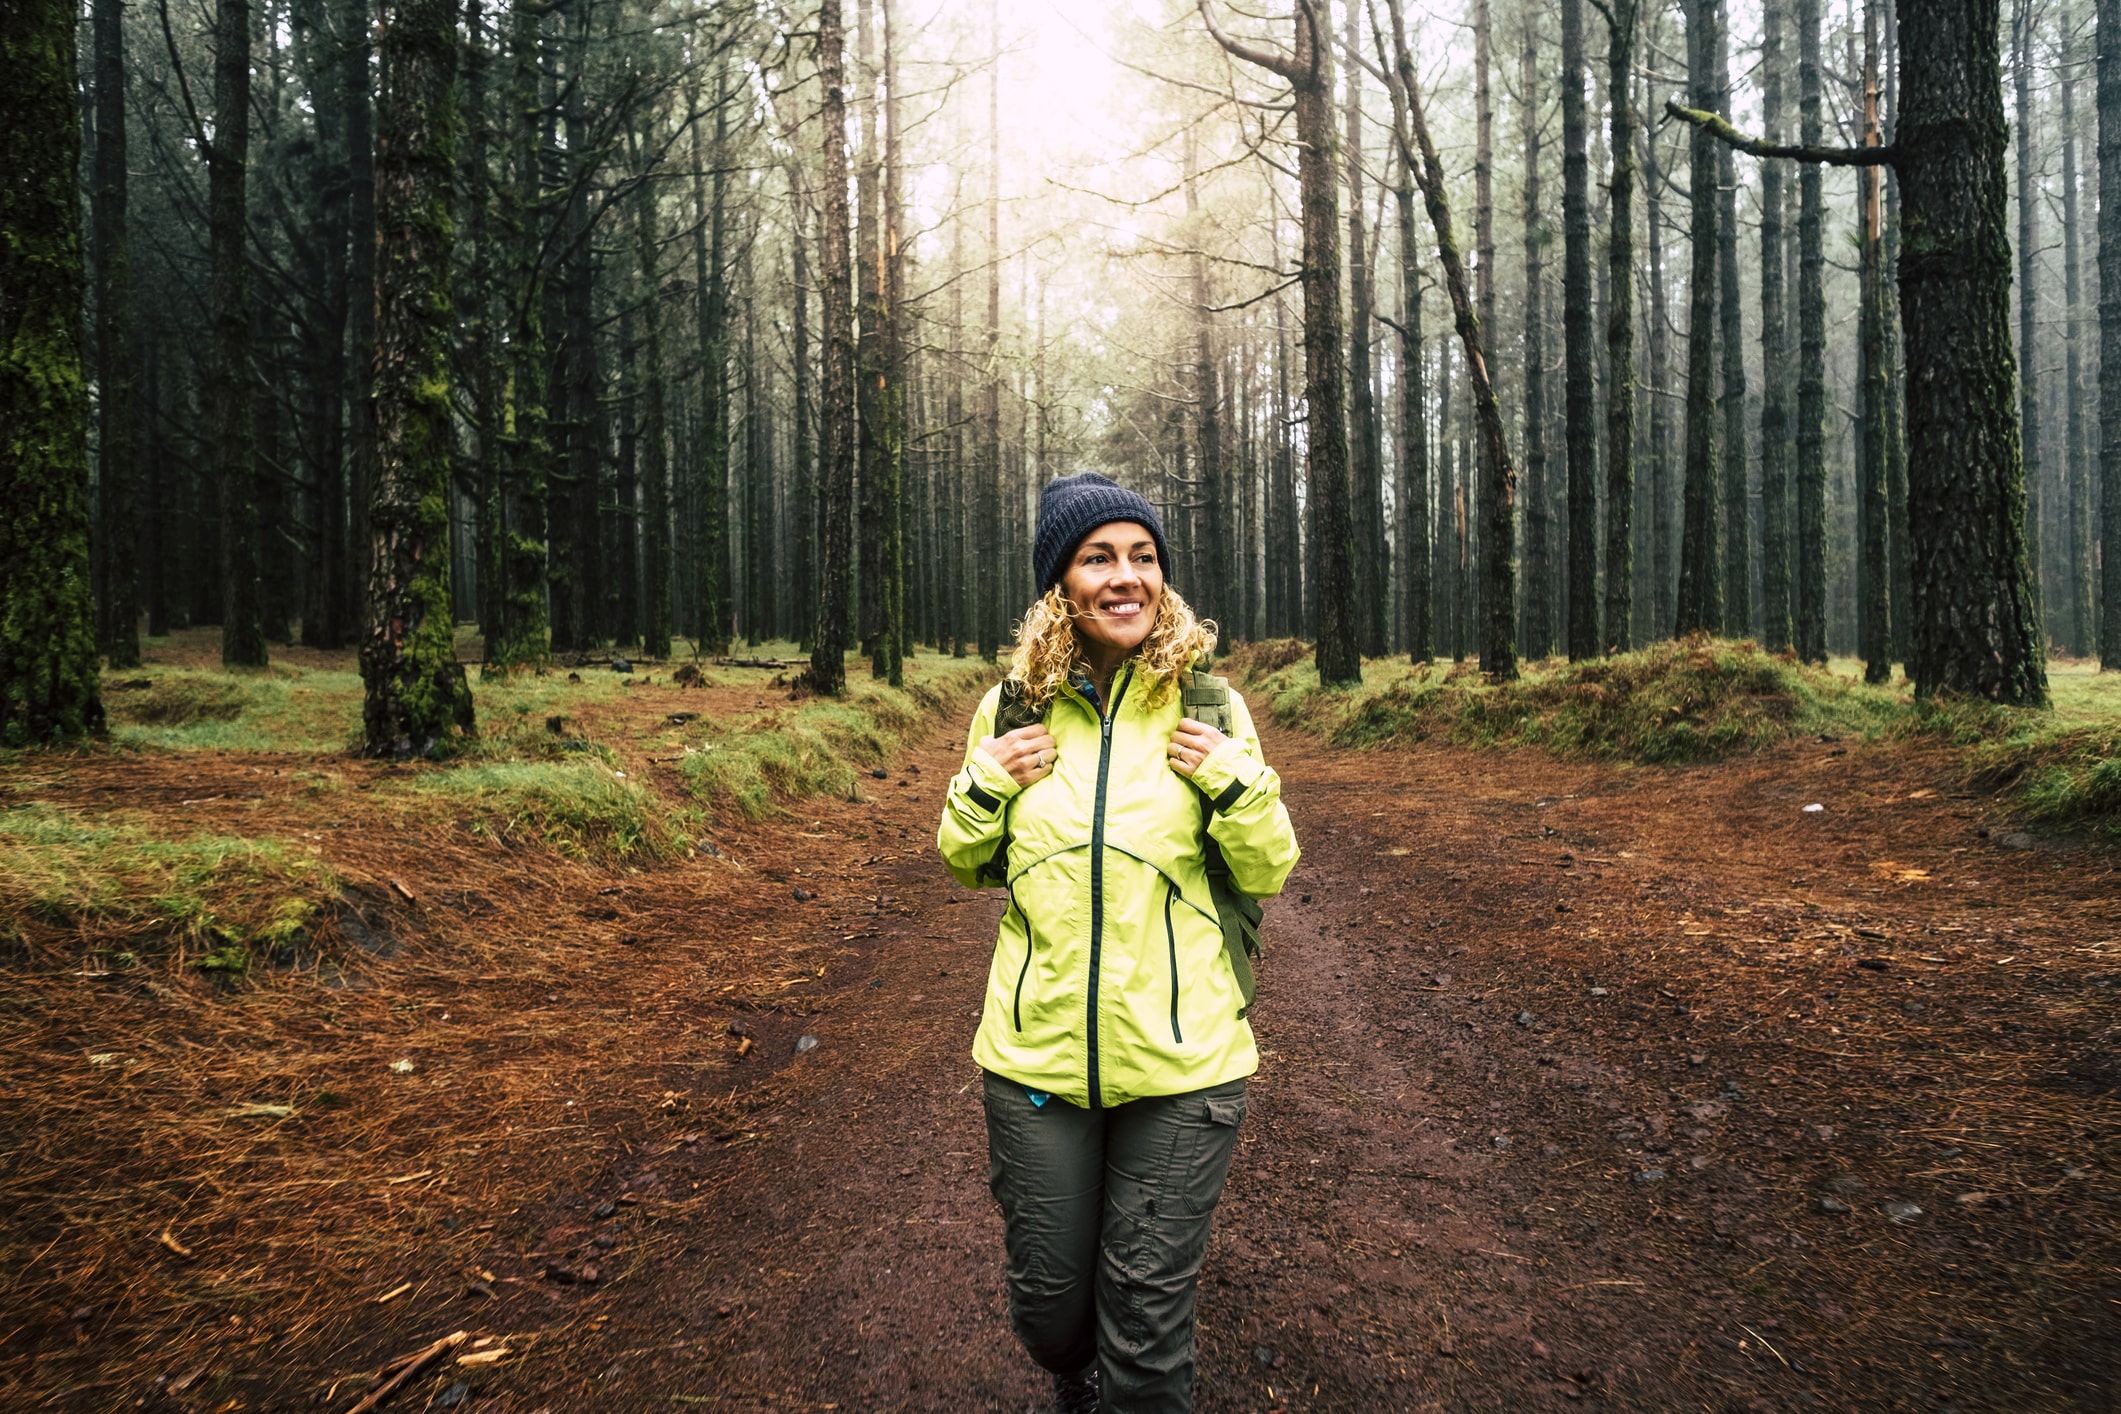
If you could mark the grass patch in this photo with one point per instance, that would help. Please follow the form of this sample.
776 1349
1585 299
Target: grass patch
820 745
233 897
279 708
1674 703
582 809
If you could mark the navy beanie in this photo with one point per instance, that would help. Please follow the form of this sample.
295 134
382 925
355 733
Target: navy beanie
1070 507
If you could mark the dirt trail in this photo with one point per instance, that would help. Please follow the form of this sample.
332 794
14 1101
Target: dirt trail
1566 1071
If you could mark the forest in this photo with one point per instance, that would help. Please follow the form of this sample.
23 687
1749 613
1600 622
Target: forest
507 505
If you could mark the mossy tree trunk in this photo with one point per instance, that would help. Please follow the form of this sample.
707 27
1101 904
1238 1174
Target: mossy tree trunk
2029 198
49 688
416 700
2108 609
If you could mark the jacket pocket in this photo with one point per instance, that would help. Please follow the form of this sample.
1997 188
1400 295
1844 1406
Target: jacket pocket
1171 941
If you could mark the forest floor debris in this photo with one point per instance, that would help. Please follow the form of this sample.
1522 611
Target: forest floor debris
777 1229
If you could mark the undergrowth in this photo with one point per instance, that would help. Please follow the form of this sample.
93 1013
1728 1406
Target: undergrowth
581 809
817 746
223 897
1691 701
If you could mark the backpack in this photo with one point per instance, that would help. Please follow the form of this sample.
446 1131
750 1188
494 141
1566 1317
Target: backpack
1206 699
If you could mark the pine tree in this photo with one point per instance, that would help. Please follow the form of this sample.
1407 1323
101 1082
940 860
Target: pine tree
1700 605
49 687
1620 336
1578 392
828 652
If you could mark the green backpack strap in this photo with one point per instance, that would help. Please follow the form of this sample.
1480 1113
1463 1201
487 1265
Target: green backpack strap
1012 711
1206 699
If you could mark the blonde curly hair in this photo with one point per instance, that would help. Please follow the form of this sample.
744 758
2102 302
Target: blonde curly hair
1048 647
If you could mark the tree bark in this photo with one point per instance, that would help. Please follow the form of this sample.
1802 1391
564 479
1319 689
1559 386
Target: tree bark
1700 607
711 324
1663 571
1578 394
415 698
2076 476
828 653
2108 608
1876 574
1730 307
356 25
1810 440
897 626
1538 530
994 575
49 685
1620 336
1776 627
229 395
653 434
2028 286
1365 450
117 461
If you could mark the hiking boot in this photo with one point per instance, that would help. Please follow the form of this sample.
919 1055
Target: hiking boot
1076 1394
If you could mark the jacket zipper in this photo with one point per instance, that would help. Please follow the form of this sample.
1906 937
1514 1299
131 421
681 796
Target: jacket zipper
1171 937
1018 1006
1097 872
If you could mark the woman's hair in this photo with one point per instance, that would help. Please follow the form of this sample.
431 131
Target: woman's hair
1047 647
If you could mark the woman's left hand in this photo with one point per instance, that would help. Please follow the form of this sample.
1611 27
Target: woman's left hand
1191 745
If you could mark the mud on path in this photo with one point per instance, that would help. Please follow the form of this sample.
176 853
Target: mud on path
1581 1087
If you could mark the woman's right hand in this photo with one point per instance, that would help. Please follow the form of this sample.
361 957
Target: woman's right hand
1027 753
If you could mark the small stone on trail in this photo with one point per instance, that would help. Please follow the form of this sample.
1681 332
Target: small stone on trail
1598 991
1524 1018
805 1044
1832 1205
603 1210
1873 964
1814 808
1650 1176
1697 1058
1550 1151
456 1394
1901 1212
802 895
879 773
620 665
1266 1356
1500 1141
1303 898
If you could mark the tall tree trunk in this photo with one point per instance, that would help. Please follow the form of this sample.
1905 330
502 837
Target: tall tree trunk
233 410
477 298
117 462
1310 74
828 652
994 571
2108 608
1205 393
2076 477
711 316
355 28
1810 440
802 573
1620 337
1977 622
1876 573
2028 286
1579 394
1700 607
1538 532
1663 570
1730 307
1417 630
653 434
518 638
892 260
1896 390
50 690
869 449
415 697
1776 630
1498 569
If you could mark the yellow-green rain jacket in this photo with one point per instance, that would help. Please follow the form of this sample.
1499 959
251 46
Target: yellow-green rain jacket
1109 981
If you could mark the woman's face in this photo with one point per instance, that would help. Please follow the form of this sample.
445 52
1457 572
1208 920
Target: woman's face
1115 584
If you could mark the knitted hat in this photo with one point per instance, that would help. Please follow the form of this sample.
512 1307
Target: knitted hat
1070 507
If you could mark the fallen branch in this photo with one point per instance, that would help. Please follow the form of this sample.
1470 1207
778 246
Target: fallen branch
407 1369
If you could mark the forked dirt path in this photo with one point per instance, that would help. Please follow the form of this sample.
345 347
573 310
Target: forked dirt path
1582 1087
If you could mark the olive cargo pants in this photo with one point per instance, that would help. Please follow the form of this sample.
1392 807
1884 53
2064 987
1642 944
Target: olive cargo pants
1106 1214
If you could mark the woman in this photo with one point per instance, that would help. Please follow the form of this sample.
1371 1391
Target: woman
1113 1038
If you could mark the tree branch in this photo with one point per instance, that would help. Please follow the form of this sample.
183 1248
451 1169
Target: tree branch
1273 63
1724 133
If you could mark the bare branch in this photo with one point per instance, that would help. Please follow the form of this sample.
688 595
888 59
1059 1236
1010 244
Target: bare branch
1266 59
1724 133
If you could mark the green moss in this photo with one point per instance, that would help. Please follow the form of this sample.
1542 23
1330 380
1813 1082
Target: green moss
114 870
582 809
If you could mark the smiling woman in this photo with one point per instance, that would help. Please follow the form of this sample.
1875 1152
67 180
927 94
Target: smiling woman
1113 1038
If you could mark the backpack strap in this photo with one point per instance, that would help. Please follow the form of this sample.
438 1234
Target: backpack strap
1011 711
1206 699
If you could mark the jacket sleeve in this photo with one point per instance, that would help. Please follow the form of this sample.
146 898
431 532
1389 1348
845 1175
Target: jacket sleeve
972 811
1245 813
